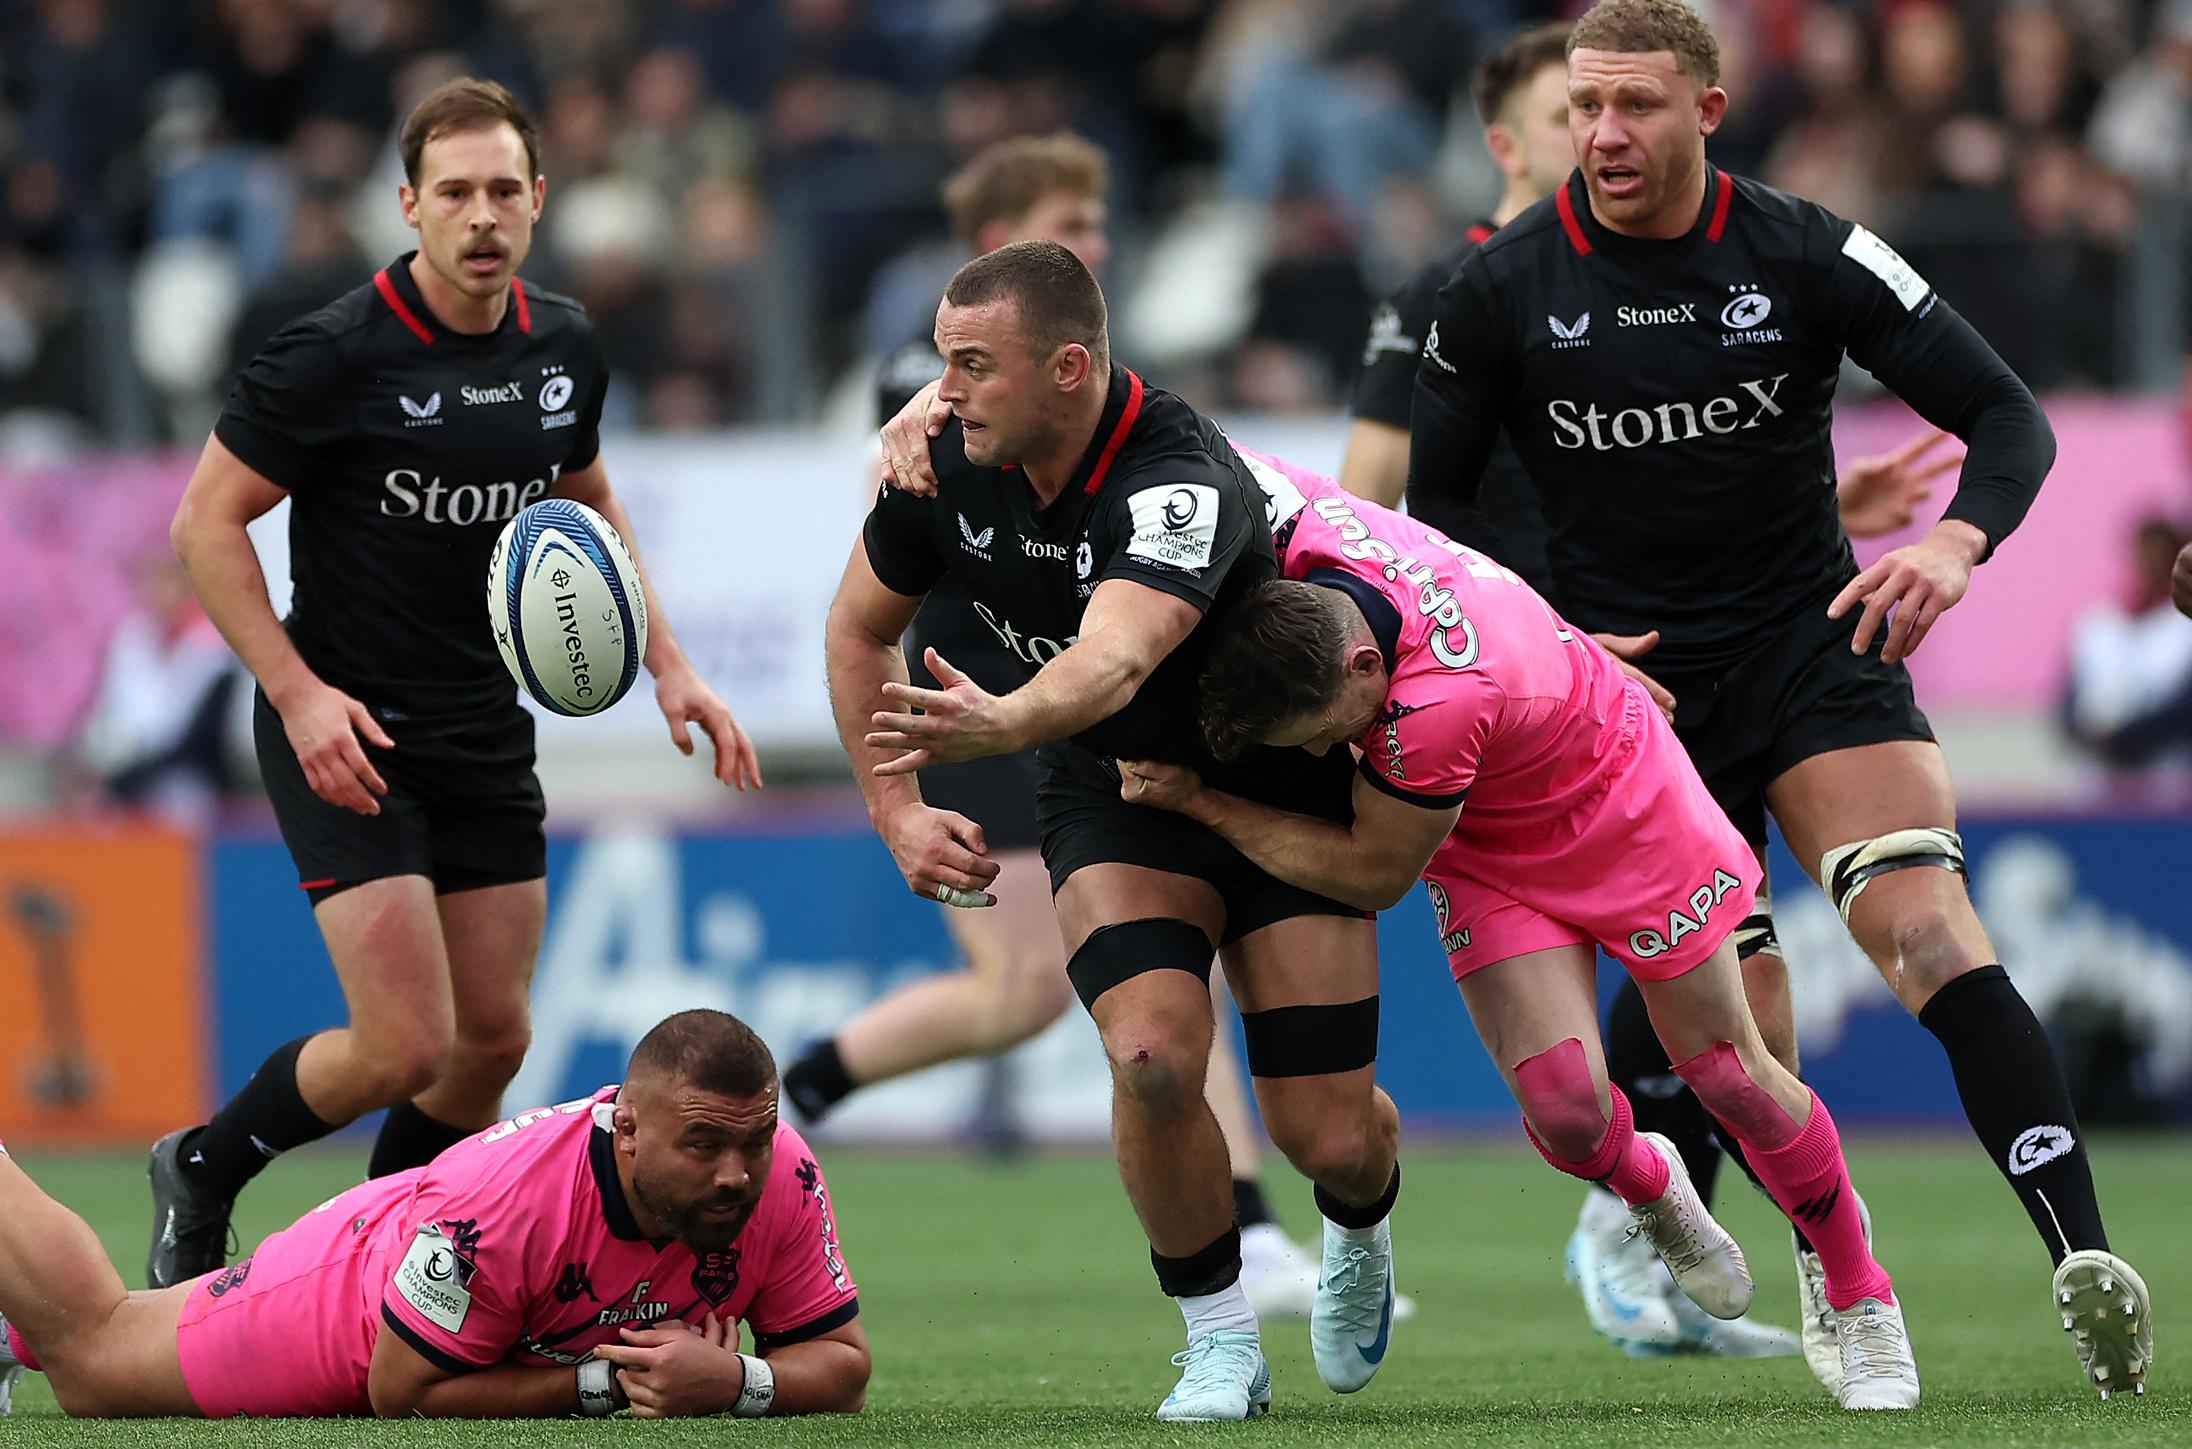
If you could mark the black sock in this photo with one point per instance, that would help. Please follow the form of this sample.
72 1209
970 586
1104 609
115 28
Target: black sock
818 1081
1638 1065
2019 1104
258 1124
1210 1270
1249 1208
1360 1217
410 1138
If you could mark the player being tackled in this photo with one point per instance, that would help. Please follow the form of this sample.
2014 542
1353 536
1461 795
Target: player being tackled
1586 826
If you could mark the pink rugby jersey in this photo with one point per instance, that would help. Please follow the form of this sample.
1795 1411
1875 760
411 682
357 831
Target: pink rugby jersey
517 1245
1491 696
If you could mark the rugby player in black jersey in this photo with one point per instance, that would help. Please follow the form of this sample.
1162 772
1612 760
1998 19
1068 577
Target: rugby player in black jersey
1661 343
1521 94
1097 521
406 422
1048 188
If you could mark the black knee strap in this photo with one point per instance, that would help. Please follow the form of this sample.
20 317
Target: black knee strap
1121 952
1308 1041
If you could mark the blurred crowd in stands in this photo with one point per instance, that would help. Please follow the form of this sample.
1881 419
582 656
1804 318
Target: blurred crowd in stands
745 191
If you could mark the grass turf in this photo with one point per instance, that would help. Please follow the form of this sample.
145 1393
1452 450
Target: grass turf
1013 1305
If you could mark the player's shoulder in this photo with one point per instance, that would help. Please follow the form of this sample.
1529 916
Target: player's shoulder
1783 221
1414 295
1170 437
554 311
1523 241
331 331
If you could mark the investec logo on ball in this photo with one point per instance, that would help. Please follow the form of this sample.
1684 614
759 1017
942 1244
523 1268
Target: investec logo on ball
1577 425
413 495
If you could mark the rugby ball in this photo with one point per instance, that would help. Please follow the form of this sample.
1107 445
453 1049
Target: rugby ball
566 606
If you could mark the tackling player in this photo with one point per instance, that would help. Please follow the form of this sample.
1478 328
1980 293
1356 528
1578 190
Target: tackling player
1584 824
1661 342
406 423
1014 985
573 1260
1521 93
1099 520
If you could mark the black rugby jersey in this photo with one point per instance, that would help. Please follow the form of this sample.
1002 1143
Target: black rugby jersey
1160 497
947 619
1385 391
1672 401
405 448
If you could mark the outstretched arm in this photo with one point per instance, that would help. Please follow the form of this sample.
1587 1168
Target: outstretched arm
1370 863
1126 632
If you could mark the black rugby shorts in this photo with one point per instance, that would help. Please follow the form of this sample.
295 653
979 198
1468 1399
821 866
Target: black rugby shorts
1800 693
1084 823
463 807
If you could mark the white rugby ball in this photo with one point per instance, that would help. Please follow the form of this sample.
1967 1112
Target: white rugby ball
566 606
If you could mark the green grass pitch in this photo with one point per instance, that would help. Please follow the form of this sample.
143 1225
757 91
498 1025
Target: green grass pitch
1013 1305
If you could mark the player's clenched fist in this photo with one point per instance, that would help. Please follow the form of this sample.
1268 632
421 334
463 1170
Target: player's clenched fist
678 1372
1159 786
941 854
1916 584
324 726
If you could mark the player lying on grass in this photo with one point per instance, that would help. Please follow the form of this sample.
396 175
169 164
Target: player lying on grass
573 1260
1586 825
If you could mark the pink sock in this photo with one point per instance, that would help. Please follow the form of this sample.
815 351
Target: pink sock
1631 1170
1810 1180
21 1350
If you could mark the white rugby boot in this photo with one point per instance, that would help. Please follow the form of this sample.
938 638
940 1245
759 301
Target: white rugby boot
1352 1322
1623 1285
1706 1263
1821 1352
2109 1318
11 1373
1878 1371
1224 1378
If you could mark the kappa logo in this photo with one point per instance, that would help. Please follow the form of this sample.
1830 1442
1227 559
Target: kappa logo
976 543
422 414
1569 334
1430 350
1680 923
1449 939
2038 1146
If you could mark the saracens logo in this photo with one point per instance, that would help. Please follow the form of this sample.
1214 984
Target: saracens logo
1450 939
1587 425
555 399
1745 311
1648 943
2038 1146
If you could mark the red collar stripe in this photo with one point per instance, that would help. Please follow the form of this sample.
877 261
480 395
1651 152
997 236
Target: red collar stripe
1480 233
1119 430
525 308
1724 194
1568 223
386 286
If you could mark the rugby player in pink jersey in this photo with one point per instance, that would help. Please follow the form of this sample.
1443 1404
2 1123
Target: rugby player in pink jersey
571 1261
1586 825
